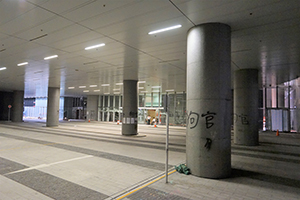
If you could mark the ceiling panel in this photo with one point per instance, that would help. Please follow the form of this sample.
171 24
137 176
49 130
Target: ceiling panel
48 28
10 10
265 36
24 22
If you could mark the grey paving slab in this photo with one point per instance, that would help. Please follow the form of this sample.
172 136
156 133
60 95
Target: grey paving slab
54 187
7 166
125 159
11 190
153 194
267 171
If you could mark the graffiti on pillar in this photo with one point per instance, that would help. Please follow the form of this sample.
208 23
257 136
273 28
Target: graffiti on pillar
193 119
209 116
208 143
242 118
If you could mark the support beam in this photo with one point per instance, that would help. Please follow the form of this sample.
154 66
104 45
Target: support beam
208 142
130 108
53 106
246 107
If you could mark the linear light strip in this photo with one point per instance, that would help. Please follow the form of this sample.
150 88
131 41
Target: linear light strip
24 63
165 29
50 57
95 46
2 68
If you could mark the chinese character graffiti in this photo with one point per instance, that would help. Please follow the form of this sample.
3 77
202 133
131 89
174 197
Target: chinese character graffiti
193 119
242 117
209 116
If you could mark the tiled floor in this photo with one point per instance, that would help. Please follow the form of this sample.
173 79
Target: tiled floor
81 160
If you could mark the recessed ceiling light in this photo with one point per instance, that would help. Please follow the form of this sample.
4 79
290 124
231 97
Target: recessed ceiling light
83 86
105 85
155 86
96 90
116 89
71 88
144 91
155 91
119 83
106 93
24 63
50 57
93 85
142 81
116 92
140 88
85 90
170 90
165 29
95 46
2 68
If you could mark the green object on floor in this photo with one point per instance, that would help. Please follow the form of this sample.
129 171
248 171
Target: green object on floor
182 168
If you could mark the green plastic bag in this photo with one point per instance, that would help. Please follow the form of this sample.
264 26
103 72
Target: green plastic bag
182 168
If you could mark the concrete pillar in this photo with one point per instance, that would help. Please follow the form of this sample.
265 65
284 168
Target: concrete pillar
53 106
130 107
92 107
246 107
208 140
18 106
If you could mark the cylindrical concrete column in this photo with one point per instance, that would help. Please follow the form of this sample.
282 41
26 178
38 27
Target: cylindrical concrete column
18 106
92 107
53 106
246 107
130 107
208 148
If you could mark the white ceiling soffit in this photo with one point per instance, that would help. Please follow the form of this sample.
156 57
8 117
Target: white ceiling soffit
265 36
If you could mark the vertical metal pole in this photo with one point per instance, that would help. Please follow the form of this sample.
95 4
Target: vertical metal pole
151 99
8 114
277 96
113 108
167 137
266 111
289 108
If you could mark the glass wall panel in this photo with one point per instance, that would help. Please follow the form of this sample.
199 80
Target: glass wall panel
155 98
141 100
148 100
180 109
111 102
105 101
117 102
100 103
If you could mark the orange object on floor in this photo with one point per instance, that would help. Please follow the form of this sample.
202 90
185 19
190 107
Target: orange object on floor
277 133
89 120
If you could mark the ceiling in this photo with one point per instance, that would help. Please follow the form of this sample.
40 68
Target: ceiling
265 35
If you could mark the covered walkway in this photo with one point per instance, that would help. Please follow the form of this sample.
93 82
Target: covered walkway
81 160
